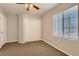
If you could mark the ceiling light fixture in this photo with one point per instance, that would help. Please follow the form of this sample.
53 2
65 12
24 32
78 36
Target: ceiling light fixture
28 5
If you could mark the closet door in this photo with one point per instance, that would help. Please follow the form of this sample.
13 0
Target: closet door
11 28
27 30
35 29
3 35
31 28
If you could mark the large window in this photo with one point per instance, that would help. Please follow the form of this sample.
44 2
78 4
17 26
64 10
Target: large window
65 23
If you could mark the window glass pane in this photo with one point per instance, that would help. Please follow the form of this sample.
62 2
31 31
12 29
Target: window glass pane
73 22
60 18
66 23
55 24
58 24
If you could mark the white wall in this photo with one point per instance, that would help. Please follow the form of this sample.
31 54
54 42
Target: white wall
11 28
69 47
20 29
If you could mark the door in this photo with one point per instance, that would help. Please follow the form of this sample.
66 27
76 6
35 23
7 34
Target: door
3 34
32 29
11 28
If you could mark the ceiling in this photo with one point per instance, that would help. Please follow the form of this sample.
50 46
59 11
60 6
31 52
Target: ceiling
13 8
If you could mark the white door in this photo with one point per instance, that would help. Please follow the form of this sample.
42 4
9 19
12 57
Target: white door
32 30
11 28
3 34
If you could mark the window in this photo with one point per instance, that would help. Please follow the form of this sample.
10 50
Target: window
58 24
65 23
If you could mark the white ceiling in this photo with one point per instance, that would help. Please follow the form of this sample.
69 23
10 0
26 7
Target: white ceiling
12 8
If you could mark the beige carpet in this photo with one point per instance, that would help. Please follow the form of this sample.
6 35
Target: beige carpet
38 48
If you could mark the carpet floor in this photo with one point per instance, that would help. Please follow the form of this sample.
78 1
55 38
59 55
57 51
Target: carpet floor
38 48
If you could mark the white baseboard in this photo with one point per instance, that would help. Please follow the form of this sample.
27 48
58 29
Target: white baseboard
28 41
21 42
57 47
11 41
32 40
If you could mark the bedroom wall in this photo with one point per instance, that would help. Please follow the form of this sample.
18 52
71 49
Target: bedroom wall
70 47
20 28
11 27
